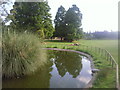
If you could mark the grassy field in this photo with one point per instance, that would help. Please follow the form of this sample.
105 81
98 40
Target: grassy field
110 45
107 75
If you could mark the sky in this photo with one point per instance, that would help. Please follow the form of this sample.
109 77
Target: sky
98 15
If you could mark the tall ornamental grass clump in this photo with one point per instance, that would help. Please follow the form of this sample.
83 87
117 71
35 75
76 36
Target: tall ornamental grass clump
22 54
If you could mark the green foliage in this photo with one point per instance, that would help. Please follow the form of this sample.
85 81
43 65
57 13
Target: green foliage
32 17
67 24
60 23
21 54
73 23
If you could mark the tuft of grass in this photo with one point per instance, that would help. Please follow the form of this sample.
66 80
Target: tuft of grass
105 78
21 54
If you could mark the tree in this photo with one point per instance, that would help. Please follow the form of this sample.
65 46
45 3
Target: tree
3 9
60 23
73 23
4 12
32 17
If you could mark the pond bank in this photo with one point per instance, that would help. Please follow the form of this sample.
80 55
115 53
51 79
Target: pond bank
89 85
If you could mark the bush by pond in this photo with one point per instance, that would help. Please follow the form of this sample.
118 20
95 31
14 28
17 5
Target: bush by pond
21 54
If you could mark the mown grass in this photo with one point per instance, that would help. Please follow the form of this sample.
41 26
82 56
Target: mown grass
110 45
21 54
106 76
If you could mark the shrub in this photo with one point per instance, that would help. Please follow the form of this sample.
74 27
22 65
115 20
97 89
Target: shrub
21 54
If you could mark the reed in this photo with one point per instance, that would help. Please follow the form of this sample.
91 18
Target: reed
22 54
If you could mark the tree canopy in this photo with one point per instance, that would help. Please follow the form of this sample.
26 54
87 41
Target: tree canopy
60 22
73 19
68 23
32 17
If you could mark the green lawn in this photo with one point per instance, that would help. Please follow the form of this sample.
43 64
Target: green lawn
110 45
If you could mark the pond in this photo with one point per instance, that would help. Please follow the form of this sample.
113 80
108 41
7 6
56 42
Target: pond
63 70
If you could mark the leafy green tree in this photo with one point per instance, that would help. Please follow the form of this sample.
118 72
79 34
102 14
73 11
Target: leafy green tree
73 23
4 12
60 23
32 17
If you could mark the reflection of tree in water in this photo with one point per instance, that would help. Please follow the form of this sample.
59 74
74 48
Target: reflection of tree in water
68 62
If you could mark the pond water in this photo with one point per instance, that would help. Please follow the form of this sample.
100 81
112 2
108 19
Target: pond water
63 70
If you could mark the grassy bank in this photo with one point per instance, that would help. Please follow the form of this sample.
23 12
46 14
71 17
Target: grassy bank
106 76
21 54
110 45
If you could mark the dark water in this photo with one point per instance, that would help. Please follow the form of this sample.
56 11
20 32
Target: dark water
63 70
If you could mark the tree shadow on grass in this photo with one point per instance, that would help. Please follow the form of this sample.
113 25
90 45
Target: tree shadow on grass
56 41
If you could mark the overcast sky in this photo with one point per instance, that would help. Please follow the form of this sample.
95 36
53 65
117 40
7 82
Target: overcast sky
98 15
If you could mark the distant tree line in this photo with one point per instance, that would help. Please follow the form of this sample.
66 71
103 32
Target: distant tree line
68 23
101 35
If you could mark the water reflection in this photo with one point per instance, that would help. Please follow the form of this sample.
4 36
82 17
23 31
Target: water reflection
63 70
67 62
71 70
